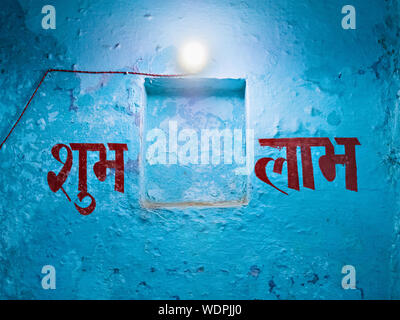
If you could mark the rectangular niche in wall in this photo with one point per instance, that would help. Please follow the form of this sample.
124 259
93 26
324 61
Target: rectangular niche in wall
193 143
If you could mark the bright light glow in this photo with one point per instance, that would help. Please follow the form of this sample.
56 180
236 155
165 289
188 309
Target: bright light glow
193 57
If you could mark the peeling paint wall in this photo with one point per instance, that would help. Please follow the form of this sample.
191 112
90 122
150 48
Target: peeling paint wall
305 77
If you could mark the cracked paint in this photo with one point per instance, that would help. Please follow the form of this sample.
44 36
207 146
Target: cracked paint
305 75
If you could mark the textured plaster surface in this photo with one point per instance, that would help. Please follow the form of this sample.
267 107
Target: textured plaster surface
305 76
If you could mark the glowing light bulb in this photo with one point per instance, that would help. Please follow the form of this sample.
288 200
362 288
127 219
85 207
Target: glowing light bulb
193 57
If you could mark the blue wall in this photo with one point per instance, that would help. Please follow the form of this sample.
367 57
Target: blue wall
306 77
